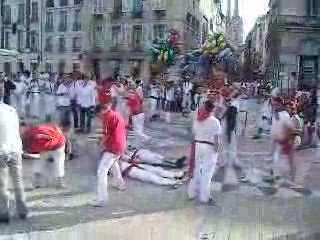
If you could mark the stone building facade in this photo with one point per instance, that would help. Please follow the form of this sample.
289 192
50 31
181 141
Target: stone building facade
293 45
120 32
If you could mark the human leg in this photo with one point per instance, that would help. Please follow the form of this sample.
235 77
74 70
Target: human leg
4 193
15 169
59 157
207 171
106 162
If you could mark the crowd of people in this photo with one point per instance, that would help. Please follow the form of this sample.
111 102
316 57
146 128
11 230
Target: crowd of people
58 103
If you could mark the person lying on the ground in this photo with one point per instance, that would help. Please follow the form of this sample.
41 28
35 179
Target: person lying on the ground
152 158
150 174
46 142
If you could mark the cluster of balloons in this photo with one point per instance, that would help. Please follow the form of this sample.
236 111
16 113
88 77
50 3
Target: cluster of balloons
165 50
215 50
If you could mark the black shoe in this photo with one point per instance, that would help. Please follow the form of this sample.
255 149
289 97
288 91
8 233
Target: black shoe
4 218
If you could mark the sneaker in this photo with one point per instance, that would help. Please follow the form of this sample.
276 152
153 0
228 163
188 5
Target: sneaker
97 203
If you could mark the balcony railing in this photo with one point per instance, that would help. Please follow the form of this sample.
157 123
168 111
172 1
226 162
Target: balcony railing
295 21
76 49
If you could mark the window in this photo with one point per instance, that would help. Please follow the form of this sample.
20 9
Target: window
19 40
316 7
7 68
137 5
63 3
7 40
116 36
77 2
33 41
49 22
159 31
21 16
76 44
34 12
63 21
158 4
7 15
61 67
77 21
76 67
137 37
62 44
33 66
50 3
48 67
48 46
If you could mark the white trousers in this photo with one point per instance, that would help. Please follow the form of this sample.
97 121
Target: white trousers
205 165
153 106
18 104
50 105
138 125
148 176
35 104
107 162
58 155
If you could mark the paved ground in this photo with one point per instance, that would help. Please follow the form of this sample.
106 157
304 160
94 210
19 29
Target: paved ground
145 211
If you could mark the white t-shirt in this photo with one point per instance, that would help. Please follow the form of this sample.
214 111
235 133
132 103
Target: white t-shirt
86 96
64 100
207 129
280 127
10 141
20 88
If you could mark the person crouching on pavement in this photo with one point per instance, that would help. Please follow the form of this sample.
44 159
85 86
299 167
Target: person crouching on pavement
207 142
50 142
10 163
114 143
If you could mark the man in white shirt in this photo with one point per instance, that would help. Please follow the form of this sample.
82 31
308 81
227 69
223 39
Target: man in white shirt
18 97
10 161
63 101
87 101
207 139
154 97
50 100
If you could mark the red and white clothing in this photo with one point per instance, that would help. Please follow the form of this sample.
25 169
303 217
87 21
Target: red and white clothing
206 131
114 144
135 105
104 91
48 141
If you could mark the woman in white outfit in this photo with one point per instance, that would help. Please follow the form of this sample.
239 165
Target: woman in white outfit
50 99
34 93
18 97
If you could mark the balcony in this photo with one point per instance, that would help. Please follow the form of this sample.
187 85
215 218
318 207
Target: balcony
76 27
137 49
76 49
291 21
159 13
100 7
